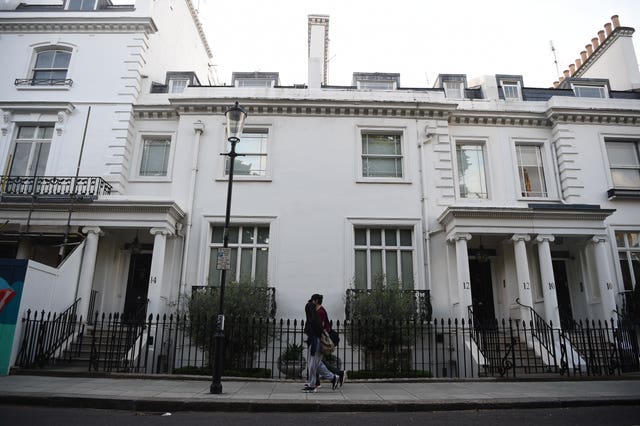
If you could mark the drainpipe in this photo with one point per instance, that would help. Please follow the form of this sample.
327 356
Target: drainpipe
423 201
198 127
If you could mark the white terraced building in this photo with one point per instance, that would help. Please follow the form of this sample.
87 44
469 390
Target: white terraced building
478 192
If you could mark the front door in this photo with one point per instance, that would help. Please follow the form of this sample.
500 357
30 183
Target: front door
135 301
482 291
562 291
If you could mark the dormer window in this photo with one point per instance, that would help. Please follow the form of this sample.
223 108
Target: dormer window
376 81
82 4
255 79
589 91
454 89
254 82
511 90
177 85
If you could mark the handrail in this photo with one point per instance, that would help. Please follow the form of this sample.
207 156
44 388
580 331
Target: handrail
540 329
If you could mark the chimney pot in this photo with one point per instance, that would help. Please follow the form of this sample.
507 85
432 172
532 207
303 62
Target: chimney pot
560 79
607 28
595 43
565 73
601 35
556 84
572 69
583 56
578 63
616 21
589 48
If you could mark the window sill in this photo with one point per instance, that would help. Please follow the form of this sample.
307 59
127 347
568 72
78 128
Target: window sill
43 87
527 199
382 180
245 179
141 179
614 193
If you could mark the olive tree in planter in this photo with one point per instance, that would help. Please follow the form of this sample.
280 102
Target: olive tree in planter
378 325
291 361
247 327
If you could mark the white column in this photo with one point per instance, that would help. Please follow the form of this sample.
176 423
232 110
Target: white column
462 273
88 267
605 280
156 276
548 280
522 274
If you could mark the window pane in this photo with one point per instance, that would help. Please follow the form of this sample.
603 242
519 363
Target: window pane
390 238
405 237
263 235
214 274
45 132
217 235
61 59
233 234
589 91
620 239
622 154
471 174
247 235
626 272
381 145
633 239
376 267
45 59
155 157
382 167
361 269
406 263
391 266
251 143
375 237
360 237
625 178
635 262
20 159
39 162
246 261
262 257
26 132
231 273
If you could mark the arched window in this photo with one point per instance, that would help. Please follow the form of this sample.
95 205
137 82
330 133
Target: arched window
51 66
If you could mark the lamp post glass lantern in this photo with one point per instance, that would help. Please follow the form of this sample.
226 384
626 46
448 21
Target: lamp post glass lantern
235 122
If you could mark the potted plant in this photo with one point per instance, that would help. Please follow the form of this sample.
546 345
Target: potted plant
291 362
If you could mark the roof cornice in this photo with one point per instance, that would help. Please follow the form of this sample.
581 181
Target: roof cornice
629 117
500 118
63 24
522 213
198 24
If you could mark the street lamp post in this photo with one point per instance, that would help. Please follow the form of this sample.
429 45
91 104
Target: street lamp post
235 121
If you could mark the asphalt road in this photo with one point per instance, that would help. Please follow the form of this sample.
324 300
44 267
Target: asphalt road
581 416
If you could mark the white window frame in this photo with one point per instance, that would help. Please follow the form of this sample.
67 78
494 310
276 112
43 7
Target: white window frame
255 82
95 5
512 85
482 143
542 144
376 85
627 250
32 142
616 139
139 152
410 224
400 131
255 221
257 128
454 89
173 85
602 89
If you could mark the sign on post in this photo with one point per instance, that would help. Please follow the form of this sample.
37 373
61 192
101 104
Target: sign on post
223 259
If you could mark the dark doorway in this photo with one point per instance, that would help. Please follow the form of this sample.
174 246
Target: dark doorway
562 291
135 301
482 291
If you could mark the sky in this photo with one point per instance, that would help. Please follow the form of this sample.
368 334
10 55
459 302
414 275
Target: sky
417 38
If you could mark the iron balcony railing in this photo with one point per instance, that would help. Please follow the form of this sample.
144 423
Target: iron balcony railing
54 188
421 301
64 82
185 344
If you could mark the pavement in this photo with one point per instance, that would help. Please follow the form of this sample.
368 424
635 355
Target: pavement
167 394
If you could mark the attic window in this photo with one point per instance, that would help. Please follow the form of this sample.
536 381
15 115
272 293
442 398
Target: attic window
590 91
454 89
82 4
254 82
511 90
376 84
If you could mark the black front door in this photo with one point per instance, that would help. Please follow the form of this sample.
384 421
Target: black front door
562 290
481 291
137 286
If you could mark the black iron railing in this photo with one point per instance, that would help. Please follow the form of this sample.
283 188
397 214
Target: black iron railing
542 331
92 306
181 344
421 301
47 335
54 188
66 82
